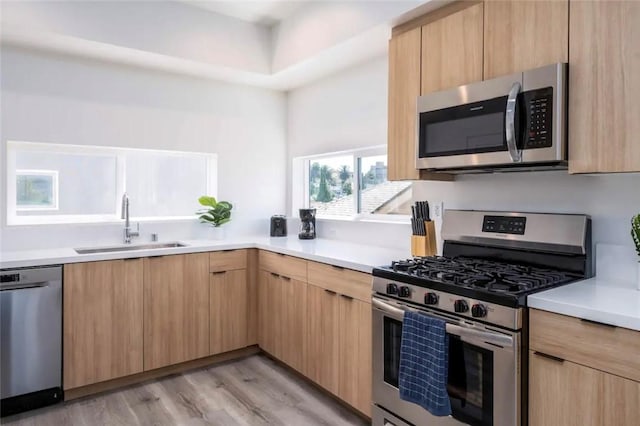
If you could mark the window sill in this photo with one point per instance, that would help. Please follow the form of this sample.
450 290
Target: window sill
108 222
399 220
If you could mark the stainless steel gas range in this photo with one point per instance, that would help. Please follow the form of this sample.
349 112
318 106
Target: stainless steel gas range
491 261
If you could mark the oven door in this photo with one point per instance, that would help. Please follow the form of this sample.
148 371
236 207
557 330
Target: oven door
484 370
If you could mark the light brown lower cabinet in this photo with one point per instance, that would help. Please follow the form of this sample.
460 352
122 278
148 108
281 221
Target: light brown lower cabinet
282 317
322 339
103 321
270 313
354 353
564 393
293 293
339 345
176 309
227 311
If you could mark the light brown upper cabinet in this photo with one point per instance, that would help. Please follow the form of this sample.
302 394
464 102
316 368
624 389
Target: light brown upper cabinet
524 34
452 50
404 89
604 82
102 321
176 309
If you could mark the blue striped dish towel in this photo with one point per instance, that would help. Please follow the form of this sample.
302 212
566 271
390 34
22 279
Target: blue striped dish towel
424 353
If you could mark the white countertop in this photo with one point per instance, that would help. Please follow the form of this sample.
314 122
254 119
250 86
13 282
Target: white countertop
348 255
596 299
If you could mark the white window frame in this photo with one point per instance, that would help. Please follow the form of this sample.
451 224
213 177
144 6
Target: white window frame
120 184
300 186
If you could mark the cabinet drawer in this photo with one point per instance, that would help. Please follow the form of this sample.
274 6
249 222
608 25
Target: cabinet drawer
227 260
341 280
288 266
611 349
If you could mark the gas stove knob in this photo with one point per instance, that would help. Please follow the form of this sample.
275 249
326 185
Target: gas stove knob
404 291
478 311
460 305
392 288
430 298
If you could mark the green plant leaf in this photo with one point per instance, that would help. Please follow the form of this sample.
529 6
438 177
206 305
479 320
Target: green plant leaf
208 201
217 212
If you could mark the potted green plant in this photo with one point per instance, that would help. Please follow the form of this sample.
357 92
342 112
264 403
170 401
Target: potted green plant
635 234
214 213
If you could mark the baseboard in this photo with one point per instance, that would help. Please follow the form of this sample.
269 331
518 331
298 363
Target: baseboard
120 382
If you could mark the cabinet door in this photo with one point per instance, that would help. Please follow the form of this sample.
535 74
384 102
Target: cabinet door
452 50
102 321
404 89
293 296
176 309
604 79
322 337
228 311
524 34
563 393
270 313
355 370
621 401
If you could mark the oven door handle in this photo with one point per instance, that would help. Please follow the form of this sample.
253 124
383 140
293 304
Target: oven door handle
385 307
485 336
454 329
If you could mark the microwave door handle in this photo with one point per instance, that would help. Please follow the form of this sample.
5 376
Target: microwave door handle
494 338
510 123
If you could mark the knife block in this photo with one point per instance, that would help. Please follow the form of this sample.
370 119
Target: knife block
425 245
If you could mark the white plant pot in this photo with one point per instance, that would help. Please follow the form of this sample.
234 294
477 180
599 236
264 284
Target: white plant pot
216 233
638 278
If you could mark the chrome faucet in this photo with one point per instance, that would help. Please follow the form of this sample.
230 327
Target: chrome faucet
128 233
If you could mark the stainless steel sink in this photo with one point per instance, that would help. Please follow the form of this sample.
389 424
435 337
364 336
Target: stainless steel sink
128 248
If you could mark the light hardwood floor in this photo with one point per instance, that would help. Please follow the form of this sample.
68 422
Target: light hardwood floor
251 391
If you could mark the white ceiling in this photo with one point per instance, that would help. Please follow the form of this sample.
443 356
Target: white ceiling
266 12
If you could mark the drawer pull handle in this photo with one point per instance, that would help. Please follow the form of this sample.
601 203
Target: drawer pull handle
347 297
273 274
219 272
285 278
333 293
597 323
551 357
280 254
339 268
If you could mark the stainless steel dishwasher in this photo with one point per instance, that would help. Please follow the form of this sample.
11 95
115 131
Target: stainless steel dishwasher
30 338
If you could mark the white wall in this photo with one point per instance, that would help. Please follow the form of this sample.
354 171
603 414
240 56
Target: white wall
344 111
349 110
60 99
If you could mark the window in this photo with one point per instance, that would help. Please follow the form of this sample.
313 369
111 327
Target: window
36 190
351 185
50 183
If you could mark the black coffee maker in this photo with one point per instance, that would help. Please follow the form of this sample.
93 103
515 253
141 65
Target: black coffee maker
307 224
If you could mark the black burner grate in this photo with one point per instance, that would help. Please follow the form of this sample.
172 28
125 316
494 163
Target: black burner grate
482 275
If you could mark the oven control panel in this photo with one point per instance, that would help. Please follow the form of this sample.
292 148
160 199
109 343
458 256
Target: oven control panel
466 307
504 224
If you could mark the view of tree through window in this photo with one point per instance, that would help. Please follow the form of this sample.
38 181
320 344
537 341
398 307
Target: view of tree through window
331 185
332 192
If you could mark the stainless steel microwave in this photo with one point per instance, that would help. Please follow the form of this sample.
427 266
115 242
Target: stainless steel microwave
509 123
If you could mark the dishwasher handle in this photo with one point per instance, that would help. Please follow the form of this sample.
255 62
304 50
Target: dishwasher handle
20 286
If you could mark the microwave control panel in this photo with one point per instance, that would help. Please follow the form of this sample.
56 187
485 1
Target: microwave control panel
539 111
504 224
